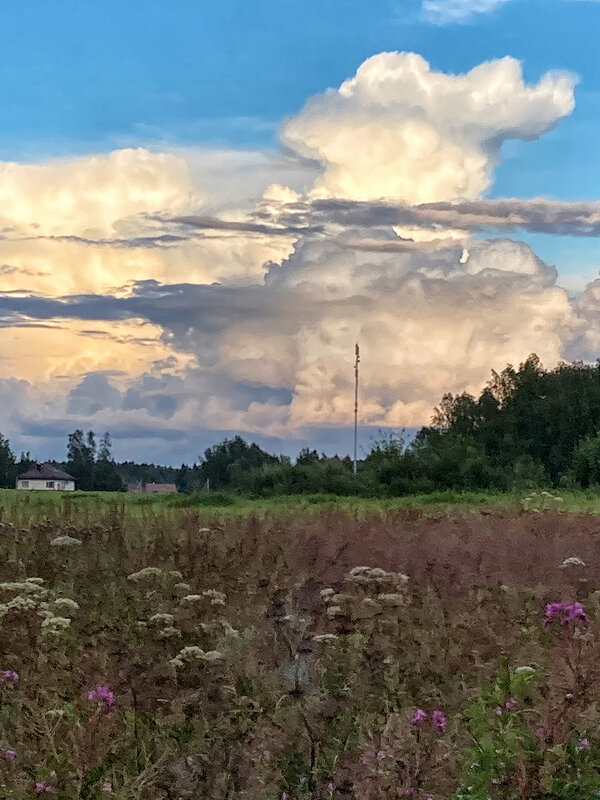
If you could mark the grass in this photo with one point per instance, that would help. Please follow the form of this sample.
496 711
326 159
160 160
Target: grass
227 504
269 648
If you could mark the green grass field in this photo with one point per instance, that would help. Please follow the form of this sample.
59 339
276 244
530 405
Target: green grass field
226 504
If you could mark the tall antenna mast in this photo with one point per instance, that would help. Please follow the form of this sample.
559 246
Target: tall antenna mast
356 363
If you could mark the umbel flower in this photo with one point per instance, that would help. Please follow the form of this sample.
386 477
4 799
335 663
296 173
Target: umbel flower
565 613
104 697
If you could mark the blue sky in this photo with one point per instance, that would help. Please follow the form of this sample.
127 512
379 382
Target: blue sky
210 91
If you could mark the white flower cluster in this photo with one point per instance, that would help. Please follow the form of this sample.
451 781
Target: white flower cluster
65 541
573 561
368 591
195 654
33 596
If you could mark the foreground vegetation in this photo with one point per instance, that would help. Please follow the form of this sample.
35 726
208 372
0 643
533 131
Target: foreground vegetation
158 652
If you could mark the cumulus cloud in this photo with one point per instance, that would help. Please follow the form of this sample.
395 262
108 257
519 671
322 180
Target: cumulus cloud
153 299
446 11
398 129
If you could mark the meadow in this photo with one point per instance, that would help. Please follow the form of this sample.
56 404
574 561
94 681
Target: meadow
443 647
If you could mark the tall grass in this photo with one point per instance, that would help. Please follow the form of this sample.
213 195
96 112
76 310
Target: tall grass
259 656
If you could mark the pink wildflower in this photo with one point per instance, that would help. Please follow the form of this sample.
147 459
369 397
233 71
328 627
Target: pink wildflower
409 791
566 613
285 796
42 786
438 719
10 676
510 704
103 695
498 710
330 786
419 717
10 755
107 787
584 744
495 782
541 733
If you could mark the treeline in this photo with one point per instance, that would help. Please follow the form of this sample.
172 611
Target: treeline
529 428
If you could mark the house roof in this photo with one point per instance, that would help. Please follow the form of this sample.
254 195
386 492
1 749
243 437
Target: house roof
45 472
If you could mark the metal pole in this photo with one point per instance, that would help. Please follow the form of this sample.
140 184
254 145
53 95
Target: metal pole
356 363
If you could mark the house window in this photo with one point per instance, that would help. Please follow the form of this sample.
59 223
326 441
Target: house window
25 484
49 484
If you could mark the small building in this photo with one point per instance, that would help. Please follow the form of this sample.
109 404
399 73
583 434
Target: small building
46 477
152 488
160 488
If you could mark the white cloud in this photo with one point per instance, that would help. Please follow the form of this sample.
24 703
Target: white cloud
399 130
448 11
146 343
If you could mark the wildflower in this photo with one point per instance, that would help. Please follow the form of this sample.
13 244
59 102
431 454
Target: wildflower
217 598
330 786
573 561
10 676
285 796
160 618
66 602
10 755
392 599
565 612
65 541
107 787
584 744
541 733
146 572
510 704
499 710
495 782
410 790
213 656
419 717
42 786
438 719
103 696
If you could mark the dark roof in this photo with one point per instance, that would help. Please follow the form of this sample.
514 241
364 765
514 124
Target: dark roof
45 472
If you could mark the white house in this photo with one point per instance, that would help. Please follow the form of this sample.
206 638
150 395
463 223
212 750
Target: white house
46 477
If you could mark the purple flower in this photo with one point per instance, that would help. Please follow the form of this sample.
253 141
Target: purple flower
107 787
438 719
42 786
510 704
419 717
566 613
103 695
541 733
10 755
495 782
584 744
330 786
285 796
10 676
409 791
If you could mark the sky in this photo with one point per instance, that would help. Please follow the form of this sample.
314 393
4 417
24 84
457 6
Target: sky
204 206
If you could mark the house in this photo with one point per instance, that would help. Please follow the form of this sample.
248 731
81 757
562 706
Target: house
46 477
